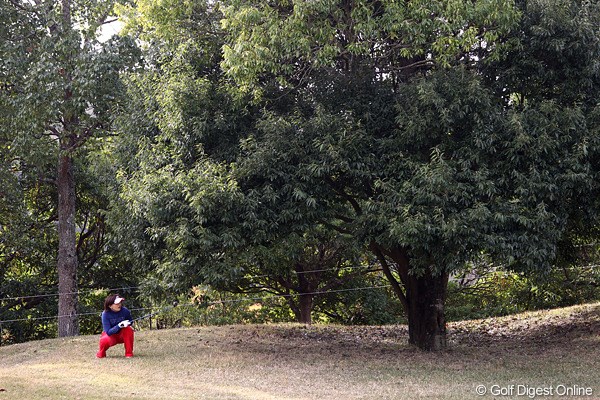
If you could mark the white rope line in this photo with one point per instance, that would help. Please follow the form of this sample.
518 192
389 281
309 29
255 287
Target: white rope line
209 303
67 293
139 287
62 316
311 271
589 266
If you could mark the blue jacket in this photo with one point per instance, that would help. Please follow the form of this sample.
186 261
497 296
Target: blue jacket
111 319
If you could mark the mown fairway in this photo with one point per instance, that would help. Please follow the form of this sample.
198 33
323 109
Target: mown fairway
542 349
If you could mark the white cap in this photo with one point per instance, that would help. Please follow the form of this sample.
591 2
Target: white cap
118 299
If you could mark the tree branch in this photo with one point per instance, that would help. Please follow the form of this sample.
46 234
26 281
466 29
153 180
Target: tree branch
344 195
396 286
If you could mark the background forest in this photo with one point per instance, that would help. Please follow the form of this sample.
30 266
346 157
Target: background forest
347 161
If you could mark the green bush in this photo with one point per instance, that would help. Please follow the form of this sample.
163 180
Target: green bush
496 293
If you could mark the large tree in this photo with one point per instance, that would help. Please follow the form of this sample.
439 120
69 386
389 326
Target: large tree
372 131
62 85
394 121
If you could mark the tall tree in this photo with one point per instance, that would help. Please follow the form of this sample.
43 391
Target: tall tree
342 66
381 115
62 84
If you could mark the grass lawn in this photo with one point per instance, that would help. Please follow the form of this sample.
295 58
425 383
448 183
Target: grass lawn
556 350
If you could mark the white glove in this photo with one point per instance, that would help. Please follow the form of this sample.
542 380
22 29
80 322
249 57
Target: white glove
124 324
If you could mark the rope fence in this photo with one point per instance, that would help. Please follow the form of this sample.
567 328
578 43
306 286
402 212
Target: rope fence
208 304
367 269
591 266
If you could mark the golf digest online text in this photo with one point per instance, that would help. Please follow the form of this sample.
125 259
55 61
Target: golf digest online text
534 391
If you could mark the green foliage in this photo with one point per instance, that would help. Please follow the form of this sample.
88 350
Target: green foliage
274 139
556 57
387 123
208 306
552 78
500 293
351 305
293 40
28 243
219 308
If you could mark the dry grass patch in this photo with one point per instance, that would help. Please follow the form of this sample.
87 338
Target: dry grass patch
292 361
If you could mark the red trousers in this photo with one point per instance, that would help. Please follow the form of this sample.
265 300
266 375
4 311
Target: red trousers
125 336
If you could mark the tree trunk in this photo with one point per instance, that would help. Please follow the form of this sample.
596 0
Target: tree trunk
306 302
426 296
422 297
67 255
303 308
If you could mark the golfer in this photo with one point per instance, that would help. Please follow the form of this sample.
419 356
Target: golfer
116 321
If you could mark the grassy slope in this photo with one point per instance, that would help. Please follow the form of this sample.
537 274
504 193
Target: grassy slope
319 362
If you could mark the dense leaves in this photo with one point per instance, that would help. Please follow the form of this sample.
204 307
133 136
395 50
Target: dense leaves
294 148
421 131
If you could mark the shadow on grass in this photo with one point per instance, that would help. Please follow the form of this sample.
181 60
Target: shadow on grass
568 332
539 332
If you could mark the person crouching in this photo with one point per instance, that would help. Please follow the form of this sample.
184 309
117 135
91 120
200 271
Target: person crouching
116 321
